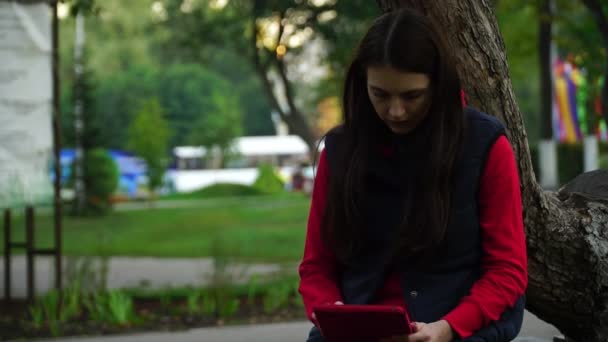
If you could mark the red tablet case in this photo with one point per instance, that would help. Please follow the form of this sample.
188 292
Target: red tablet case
361 322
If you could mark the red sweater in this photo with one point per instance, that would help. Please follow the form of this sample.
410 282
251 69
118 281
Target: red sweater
504 261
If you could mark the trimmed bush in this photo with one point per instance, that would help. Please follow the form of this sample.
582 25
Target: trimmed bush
268 181
225 190
100 179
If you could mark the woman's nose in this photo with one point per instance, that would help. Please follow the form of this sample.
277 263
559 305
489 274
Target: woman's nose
396 110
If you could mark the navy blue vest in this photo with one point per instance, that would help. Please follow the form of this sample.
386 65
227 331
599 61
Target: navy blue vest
432 293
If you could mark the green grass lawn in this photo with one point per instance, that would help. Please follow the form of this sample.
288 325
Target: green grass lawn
255 228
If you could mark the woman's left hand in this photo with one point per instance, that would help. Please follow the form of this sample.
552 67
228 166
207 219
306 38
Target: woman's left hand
439 331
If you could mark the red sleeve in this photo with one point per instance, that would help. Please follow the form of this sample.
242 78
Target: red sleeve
318 281
504 261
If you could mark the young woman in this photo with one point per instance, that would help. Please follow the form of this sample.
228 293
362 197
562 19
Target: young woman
416 200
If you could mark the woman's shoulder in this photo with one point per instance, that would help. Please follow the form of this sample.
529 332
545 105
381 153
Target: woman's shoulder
480 120
334 136
481 132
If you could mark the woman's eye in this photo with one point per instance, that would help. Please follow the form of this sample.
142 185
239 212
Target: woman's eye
411 97
380 95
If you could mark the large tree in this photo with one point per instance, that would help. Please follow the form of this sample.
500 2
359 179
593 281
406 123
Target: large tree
567 231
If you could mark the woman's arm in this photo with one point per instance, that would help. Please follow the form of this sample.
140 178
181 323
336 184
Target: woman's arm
504 262
318 282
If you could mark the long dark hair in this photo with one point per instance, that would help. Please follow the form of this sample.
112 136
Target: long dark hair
406 41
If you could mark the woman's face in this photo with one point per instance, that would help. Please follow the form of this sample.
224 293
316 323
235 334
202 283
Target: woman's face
401 99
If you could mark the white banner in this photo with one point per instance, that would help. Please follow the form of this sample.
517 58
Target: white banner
26 143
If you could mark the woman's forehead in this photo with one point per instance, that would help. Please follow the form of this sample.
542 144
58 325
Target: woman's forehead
393 80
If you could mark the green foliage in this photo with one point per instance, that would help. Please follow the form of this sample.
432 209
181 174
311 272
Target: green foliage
521 42
575 35
96 307
120 307
209 305
119 101
193 303
165 302
198 34
84 89
149 135
37 316
100 178
114 307
195 102
71 303
46 311
217 190
228 307
252 288
202 108
268 181
277 297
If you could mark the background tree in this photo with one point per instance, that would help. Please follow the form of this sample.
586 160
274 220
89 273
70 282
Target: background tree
218 127
189 94
149 136
599 12
267 33
567 231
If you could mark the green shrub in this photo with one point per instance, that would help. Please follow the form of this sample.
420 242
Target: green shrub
100 179
228 189
217 190
268 181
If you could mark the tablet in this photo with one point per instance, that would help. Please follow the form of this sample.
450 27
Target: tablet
361 322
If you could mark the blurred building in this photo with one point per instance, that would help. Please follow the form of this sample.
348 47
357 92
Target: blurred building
194 167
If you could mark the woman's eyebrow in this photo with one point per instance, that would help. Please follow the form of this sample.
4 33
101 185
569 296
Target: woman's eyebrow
377 88
407 92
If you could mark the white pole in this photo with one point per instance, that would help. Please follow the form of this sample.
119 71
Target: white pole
79 186
591 153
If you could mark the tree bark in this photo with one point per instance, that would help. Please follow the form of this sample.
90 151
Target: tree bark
567 231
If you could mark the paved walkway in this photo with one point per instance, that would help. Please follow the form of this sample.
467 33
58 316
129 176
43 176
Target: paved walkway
534 330
151 273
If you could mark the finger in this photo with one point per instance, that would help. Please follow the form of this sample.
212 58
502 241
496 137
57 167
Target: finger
314 319
414 327
418 337
338 303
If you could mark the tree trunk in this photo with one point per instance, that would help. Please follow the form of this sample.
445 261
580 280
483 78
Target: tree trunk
295 120
567 231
